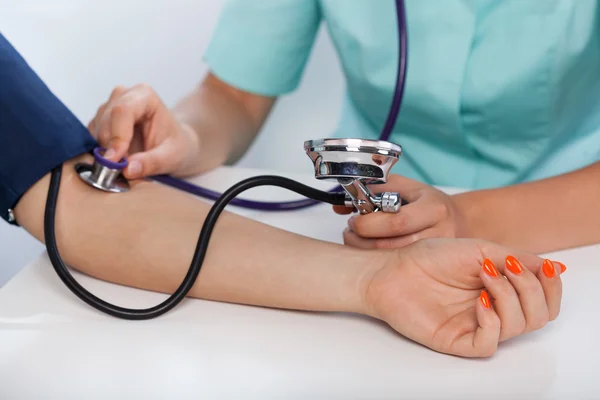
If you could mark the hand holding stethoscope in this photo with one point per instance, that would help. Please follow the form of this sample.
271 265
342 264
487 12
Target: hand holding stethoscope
430 213
134 122
160 144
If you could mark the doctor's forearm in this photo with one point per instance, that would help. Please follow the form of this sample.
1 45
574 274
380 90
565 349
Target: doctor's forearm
145 238
547 215
225 119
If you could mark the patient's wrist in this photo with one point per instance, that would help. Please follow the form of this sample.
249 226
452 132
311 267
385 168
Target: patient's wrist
373 264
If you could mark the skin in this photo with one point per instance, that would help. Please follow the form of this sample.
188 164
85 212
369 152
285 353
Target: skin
213 125
430 292
543 216
216 123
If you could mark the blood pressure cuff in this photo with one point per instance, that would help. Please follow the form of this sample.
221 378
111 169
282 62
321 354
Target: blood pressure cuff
37 131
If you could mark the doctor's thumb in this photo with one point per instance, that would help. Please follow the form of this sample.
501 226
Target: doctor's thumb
156 161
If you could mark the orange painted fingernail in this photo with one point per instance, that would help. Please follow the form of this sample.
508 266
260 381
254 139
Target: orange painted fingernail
548 268
513 265
484 297
562 266
490 269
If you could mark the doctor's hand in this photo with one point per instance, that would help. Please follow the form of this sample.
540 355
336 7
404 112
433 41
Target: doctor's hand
463 296
429 214
135 123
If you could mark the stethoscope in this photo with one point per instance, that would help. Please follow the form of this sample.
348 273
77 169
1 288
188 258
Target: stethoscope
352 163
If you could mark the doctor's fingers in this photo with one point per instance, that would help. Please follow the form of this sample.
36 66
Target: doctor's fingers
412 218
95 122
409 189
119 117
162 159
355 240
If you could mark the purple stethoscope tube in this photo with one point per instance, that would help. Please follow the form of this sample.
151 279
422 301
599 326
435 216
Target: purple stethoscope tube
303 203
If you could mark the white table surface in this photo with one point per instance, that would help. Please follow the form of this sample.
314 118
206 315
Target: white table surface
53 346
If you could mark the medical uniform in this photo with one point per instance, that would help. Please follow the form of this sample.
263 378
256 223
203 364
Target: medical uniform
497 92
37 131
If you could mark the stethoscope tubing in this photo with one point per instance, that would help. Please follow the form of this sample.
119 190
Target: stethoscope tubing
304 203
314 196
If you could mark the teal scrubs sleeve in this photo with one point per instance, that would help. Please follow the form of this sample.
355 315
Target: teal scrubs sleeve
262 46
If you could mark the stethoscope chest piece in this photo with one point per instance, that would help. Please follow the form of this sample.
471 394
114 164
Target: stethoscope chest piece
104 174
370 161
356 163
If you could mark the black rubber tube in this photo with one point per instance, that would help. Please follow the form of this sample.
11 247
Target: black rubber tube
199 253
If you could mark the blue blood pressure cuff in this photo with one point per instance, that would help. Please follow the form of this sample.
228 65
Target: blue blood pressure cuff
37 131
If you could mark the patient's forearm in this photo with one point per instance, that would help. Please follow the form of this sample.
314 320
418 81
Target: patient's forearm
145 238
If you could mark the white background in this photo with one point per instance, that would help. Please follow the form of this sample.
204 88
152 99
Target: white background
83 48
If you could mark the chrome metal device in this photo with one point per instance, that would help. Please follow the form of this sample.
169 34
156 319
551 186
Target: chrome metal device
356 163
104 174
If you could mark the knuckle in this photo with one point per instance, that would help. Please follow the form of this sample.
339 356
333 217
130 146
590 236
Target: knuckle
506 289
118 90
118 110
144 88
532 286
488 351
117 140
519 327
538 321
441 211
496 324
92 125
553 315
514 328
101 109
102 137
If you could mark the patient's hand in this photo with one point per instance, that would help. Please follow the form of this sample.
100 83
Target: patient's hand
436 293
428 291
429 214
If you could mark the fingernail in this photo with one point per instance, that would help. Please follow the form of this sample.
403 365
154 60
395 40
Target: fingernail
513 265
548 268
110 153
490 269
351 221
562 266
484 297
134 168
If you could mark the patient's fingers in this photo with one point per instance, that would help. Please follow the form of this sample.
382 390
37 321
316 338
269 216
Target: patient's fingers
483 341
549 276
